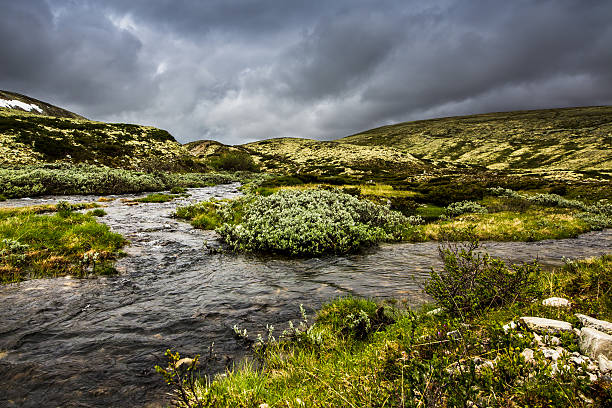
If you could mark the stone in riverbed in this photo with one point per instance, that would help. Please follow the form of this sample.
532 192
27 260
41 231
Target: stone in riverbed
542 325
593 323
556 302
594 342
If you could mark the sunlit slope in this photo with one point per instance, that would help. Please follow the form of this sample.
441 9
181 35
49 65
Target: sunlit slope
551 139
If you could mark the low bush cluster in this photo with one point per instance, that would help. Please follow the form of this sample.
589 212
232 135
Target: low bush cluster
464 207
312 222
30 181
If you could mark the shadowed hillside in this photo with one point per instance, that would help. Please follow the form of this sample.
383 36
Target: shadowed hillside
33 132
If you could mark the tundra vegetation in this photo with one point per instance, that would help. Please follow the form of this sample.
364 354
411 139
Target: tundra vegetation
362 352
54 240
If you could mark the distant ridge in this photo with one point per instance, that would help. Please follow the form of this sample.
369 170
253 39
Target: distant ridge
27 104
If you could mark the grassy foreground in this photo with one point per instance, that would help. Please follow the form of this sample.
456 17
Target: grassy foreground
37 245
359 353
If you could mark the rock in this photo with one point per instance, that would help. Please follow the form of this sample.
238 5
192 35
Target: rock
455 335
542 325
488 363
528 355
605 365
264 405
509 326
553 354
579 359
592 377
435 312
596 324
556 302
538 340
594 342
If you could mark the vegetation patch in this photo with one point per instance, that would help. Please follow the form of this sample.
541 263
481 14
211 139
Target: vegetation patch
312 222
157 198
361 353
30 181
36 245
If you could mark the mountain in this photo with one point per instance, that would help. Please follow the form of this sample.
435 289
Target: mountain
35 132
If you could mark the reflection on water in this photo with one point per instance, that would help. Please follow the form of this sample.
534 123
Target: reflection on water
94 342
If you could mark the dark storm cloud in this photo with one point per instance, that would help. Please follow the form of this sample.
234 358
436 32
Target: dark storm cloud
245 70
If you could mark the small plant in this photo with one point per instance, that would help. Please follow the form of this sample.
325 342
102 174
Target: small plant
178 190
98 212
64 209
471 281
156 198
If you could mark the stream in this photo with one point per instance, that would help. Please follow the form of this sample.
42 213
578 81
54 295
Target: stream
94 342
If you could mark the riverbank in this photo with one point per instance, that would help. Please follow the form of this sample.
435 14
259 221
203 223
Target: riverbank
359 352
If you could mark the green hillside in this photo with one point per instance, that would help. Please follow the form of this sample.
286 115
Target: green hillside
552 139
47 134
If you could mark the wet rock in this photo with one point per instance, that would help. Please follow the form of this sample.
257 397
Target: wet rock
596 324
542 325
556 302
594 342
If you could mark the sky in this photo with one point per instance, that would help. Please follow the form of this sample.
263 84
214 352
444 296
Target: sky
243 70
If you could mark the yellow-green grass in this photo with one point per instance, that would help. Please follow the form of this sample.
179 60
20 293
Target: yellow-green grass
411 359
375 190
37 245
531 225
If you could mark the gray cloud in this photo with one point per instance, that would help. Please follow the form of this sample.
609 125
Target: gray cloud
244 70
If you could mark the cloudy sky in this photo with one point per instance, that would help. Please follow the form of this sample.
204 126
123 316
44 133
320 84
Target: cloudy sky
244 70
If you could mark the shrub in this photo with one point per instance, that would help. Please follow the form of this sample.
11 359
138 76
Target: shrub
471 281
312 222
235 161
178 190
464 207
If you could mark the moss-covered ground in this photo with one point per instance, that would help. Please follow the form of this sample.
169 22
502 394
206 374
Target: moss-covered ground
54 240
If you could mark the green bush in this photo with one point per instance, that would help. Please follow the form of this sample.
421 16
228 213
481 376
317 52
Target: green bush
30 181
464 207
312 222
471 281
98 212
235 161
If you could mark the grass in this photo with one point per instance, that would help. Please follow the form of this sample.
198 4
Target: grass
362 353
157 198
532 225
36 245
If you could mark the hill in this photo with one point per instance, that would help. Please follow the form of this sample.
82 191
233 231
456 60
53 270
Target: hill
551 139
34 132
22 103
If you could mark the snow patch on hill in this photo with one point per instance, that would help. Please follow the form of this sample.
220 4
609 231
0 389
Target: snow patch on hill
4 103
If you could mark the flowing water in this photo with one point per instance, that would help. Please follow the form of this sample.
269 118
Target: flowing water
94 342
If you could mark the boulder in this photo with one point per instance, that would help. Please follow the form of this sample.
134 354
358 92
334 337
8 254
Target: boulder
596 324
605 365
594 342
542 325
556 302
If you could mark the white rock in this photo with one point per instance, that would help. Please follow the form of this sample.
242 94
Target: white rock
593 343
542 325
435 312
605 365
556 302
592 377
553 354
528 355
597 324
509 326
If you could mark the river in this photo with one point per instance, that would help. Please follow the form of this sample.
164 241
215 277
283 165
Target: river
94 342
